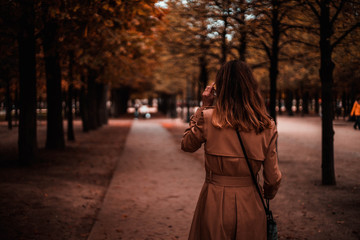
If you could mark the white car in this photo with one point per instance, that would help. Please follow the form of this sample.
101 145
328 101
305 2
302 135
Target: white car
144 111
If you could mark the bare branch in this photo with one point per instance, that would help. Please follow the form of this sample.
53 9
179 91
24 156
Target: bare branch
298 41
239 20
338 10
214 55
293 26
232 54
262 27
299 57
259 65
267 49
285 10
313 8
344 35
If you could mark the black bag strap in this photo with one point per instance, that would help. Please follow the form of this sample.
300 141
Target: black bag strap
252 175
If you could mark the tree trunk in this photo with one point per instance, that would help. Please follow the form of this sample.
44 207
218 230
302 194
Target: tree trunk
17 103
55 132
297 97
305 106
188 98
150 101
198 93
350 102
114 98
64 103
223 42
92 100
120 98
165 99
317 105
326 77
124 95
279 104
274 60
168 104
8 104
242 46
172 106
77 102
70 130
243 34
84 105
39 105
288 102
343 100
203 77
101 100
27 141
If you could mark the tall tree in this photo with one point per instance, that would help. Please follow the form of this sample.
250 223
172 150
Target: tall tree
241 26
274 54
9 54
55 132
223 13
118 49
328 13
8 103
27 141
270 16
84 104
70 128
190 40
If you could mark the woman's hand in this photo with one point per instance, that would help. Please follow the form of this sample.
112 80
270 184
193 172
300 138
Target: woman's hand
208 95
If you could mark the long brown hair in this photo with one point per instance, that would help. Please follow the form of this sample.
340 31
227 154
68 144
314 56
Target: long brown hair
239 103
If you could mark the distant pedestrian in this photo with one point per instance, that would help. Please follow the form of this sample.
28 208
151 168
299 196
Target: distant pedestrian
136 112
356 111
229 206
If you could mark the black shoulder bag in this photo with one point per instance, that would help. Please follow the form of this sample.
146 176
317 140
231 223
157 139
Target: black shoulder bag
271 224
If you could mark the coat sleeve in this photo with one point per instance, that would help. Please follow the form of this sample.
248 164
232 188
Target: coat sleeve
194 135
353 109
272 174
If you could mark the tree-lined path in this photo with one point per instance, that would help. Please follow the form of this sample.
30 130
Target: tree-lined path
73 74
154 188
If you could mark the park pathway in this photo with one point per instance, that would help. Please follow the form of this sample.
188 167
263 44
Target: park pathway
154 188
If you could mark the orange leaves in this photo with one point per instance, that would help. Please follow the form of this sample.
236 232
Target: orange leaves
86 31
54 11
77 7
108 23
120 37
144 9
108 8
135 22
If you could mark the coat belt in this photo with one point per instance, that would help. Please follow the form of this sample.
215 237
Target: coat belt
228 181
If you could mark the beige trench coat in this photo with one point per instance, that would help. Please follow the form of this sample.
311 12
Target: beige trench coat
228 208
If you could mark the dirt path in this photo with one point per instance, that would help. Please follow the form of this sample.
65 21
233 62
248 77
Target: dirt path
303 208
154 189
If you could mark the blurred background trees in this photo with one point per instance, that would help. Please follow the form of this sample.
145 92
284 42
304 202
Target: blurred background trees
74 51
90 59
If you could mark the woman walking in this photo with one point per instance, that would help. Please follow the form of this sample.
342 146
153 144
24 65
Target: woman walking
229 206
